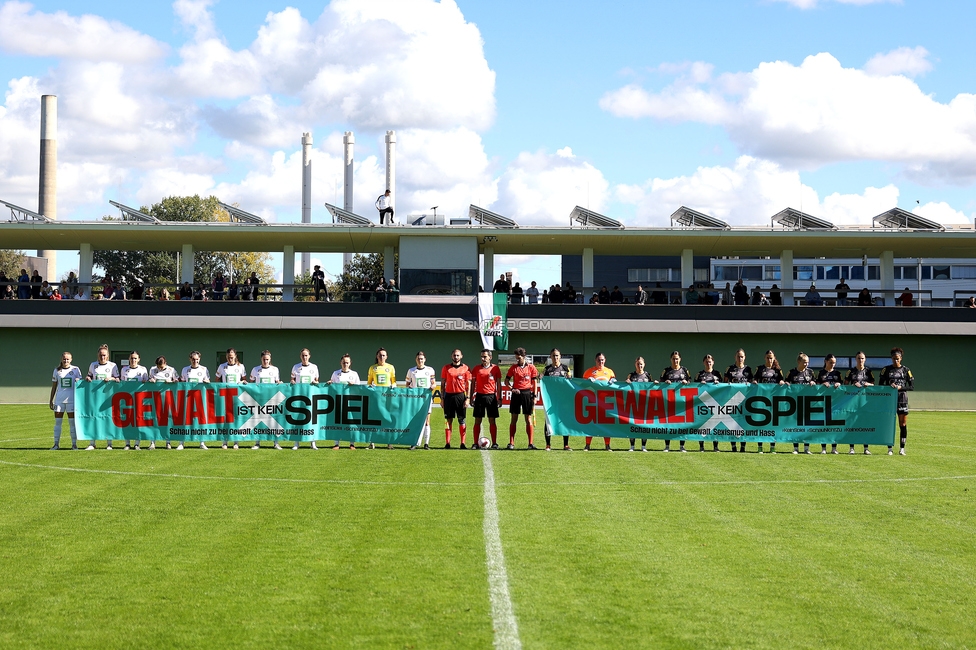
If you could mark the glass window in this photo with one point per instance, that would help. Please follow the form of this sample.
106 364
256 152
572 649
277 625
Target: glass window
820 272
701 275
633 276
857 273
908 273
752 273
940 272
831 272
675 275
845 272
803 272
726 273
926 272
772 272
874 273
964 272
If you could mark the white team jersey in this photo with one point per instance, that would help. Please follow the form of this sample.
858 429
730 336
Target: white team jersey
163 375
106 372
196 375
421 377
304 374
231 374
134 373
267 375
66 378
351 377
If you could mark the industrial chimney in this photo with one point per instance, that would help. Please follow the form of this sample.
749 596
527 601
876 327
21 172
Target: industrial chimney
306 193
349 143
47 195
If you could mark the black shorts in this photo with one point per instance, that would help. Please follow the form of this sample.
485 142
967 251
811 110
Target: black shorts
902 404
485 404
523 402
453 404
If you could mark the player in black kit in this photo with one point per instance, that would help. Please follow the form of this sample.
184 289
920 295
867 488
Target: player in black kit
769 373
675 374
709 376
899 377
801 375
638 376
830 376
739 373
555 368
859 375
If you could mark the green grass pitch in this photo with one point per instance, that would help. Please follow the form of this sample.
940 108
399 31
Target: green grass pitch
240 549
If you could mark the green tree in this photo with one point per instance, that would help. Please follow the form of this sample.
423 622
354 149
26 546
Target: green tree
11 262
368 269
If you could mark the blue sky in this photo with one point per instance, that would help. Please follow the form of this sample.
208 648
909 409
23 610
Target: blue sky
736 108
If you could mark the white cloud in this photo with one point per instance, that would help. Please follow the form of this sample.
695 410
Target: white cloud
542 189
909 61
748 194
820 112
942 212
34 33
812 4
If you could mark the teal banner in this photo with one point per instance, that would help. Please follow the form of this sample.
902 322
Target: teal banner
722 412
239 412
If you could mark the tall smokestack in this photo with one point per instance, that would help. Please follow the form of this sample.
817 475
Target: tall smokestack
47 194
391 167
349 144
306 193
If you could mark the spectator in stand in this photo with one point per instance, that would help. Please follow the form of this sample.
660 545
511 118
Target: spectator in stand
108 288
907 299
234 293
714 298
616 296
164 295
727 294
23 285
252 284
556 295
569 294
219 286
55 293
658 296
318 283
691 298
392 291
864 298
775 297
186 291
812 297
740 293
604 296
380 290
149 294
640 298
201 292
757 296
72 286
45 292
594 299
841 288
532 294
137 291
6 292
517 294
501 285
971 303
35 290
545 297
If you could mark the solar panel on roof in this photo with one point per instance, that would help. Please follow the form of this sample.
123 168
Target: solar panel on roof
489 218
905 220
694 219
340 216
790 218
236 214
131 214
590 219
18 213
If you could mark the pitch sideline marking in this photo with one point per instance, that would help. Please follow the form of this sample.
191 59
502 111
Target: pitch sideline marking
827 481
502 613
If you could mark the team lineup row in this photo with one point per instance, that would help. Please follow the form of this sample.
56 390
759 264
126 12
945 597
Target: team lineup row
478 388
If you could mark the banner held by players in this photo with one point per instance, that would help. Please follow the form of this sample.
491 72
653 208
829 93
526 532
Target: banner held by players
721 412
205 412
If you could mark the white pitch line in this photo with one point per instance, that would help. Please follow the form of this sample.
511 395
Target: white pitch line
24 439
502 613
816 481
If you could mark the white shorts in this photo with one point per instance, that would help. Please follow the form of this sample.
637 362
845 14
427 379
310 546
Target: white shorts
64 407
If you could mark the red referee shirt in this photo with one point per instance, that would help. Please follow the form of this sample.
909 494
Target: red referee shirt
455 380
487 380
522 376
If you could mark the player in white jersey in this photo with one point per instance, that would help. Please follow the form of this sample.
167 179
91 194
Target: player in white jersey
345 375
265 374
422 376
195 374
63 398
133 372
162 374
305 372
231 371
102 370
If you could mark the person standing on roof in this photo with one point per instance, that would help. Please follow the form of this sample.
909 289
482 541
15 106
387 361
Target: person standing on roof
384 203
